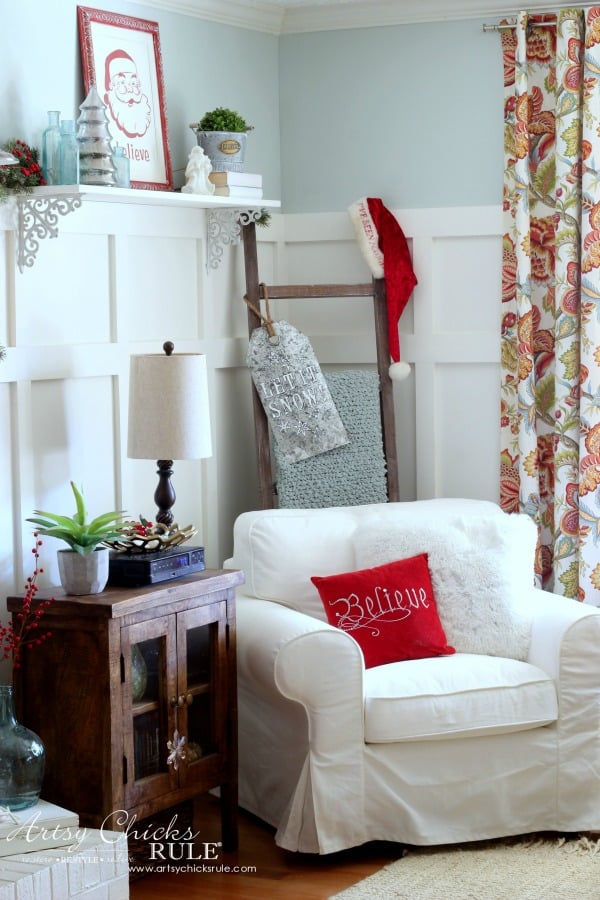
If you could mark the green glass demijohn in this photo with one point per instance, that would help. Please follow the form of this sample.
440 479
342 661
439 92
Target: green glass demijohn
22 757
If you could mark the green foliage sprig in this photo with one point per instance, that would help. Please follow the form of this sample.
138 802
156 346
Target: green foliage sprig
264 219
23 178
222 119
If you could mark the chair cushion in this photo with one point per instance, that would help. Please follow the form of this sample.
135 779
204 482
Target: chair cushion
389 610
282 543
464 695
279 549
480 567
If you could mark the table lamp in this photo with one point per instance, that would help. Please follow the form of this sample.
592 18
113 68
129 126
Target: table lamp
169 416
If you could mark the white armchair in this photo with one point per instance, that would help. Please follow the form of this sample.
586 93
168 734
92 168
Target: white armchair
501 737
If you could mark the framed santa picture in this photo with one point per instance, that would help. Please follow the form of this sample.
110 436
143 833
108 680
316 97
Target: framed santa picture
121 56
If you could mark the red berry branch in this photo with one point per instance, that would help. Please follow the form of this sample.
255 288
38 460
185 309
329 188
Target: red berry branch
25 632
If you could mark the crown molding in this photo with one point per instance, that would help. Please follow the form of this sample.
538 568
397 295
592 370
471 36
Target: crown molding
400 12
279 18
257 16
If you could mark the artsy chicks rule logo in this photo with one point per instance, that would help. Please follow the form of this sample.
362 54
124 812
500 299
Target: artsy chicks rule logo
34 834
167 843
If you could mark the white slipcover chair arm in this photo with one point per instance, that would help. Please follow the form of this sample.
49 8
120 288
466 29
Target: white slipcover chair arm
284 652
565 643
559 625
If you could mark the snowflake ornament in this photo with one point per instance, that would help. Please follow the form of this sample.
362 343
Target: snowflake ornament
177 752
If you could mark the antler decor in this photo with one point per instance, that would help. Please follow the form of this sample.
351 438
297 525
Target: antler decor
145 537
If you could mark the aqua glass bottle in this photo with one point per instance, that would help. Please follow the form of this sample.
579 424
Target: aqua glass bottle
51 149
69 153
122 168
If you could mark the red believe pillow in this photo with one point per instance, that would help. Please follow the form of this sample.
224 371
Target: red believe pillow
389 610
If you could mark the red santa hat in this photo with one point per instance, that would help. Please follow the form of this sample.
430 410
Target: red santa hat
385 249
117 61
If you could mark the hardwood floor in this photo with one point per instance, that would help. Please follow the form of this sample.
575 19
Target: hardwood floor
278 873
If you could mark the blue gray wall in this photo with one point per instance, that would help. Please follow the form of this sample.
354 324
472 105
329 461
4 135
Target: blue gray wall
410 113
205 65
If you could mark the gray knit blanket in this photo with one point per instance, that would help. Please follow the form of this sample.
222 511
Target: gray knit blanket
346 476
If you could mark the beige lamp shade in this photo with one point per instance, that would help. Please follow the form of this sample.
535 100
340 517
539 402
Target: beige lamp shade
169 415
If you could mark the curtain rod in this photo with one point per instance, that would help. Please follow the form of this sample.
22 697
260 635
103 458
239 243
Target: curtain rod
511 24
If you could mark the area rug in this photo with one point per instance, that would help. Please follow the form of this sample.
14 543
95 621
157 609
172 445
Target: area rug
499 870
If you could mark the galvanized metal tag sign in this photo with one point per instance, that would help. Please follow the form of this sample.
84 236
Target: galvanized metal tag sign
294 394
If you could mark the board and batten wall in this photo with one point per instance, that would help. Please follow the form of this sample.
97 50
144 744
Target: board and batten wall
121 278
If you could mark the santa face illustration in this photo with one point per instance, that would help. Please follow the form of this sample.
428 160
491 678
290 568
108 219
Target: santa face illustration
128 106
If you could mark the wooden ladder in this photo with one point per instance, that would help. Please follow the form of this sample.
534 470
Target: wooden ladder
376 290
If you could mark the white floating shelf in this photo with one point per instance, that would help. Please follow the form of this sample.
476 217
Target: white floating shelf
38 213
159 198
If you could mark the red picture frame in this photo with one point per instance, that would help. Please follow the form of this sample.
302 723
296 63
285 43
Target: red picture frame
121 55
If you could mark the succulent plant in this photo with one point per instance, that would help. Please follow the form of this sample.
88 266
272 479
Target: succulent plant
80 535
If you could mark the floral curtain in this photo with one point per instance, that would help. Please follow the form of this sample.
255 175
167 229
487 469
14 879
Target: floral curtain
550 415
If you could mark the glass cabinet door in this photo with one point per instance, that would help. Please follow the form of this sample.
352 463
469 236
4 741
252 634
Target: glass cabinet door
201 646
174 679
149 686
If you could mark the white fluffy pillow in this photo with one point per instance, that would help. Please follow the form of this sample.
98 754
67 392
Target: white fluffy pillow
480 567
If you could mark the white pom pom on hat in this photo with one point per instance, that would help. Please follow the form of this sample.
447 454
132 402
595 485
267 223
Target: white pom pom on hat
386 252
399 371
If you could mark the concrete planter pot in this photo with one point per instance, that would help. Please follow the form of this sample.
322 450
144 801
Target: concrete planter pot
225 149
82 574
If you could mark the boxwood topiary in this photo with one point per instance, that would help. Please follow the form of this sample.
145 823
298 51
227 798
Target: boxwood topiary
222 119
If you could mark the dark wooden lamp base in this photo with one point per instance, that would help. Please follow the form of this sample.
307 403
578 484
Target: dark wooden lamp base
164 495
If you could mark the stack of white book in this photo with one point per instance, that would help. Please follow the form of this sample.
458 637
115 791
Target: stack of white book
237 184
44 826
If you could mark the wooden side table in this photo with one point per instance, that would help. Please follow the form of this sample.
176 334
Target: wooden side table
122 672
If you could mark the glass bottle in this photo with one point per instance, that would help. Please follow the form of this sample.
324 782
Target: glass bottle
69 153
122 167
51 148
139 672
22 757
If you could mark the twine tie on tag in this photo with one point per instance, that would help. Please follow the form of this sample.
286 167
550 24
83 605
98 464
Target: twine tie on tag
266 321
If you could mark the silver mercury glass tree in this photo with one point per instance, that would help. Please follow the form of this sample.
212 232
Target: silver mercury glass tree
96 164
